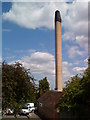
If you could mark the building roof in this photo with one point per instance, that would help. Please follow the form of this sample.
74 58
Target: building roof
50 99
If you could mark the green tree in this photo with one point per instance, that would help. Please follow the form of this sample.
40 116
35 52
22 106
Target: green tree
17 85
43 86
70 92
76 94
85 82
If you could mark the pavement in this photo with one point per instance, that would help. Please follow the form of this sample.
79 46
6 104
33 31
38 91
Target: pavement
31 115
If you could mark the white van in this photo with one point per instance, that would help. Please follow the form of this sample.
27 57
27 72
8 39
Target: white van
25 111
29 107
29 104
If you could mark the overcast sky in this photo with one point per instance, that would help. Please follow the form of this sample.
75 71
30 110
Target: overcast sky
28 37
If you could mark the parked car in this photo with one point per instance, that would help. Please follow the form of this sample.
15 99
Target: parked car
9 111
32 109
29 104
25 111
29 107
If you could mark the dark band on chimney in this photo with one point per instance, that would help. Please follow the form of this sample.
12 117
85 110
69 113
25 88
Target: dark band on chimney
57 16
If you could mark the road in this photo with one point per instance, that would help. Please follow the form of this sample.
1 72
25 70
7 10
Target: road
31 115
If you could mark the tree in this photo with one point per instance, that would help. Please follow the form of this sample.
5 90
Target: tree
71 90
85 82
43 86
76 95
17 85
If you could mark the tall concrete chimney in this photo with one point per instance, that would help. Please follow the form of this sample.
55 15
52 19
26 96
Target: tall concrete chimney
58 51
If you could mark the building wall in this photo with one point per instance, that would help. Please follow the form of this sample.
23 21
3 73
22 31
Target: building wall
47 113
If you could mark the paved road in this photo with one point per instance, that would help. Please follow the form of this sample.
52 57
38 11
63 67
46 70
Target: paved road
31 115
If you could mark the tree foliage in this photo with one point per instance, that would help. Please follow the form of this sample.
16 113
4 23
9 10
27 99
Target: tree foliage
76 94
17 85
43 86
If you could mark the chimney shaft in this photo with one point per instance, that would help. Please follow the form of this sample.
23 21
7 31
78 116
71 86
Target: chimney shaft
58 51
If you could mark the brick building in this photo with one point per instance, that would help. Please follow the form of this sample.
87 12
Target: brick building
48 105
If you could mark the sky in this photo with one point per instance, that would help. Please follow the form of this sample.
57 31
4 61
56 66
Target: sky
28 36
